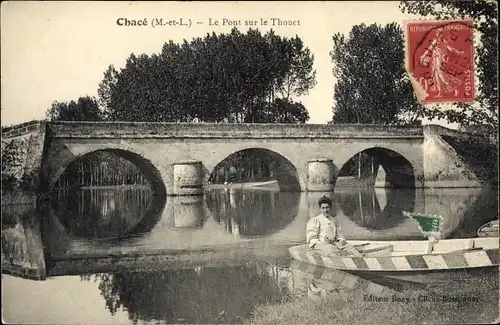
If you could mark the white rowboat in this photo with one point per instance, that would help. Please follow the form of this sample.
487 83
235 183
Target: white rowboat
409 260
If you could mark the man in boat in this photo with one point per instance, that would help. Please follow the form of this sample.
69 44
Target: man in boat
323 233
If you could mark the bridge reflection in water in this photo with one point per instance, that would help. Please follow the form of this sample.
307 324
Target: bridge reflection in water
253 213
249 233
101 213
376 208
125 221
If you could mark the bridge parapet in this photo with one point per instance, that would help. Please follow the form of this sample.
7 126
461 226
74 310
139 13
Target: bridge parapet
441 130
224 130
22 129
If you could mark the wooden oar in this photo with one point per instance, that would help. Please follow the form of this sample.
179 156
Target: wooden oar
361 245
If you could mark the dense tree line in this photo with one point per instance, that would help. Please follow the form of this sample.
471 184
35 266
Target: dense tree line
235 77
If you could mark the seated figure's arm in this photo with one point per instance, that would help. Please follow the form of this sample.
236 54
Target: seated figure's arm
338 233
312 232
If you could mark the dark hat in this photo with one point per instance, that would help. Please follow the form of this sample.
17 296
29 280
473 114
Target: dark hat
325 199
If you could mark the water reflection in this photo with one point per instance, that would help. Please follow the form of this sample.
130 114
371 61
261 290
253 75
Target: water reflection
22 248
193 295
253 213
376 208
14 246
222 294
93 221
473 208
144 222
317 281
188 212
101 213
228 285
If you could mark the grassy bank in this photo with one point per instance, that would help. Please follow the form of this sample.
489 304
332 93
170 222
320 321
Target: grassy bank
470 300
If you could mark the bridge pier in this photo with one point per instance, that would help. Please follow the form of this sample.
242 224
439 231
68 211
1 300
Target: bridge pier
188 178
321 175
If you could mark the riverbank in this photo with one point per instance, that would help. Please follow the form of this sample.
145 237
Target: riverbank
471 300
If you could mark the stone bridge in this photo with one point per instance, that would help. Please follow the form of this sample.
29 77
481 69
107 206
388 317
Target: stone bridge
179 158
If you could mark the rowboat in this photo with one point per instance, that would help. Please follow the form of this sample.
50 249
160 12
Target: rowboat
489 229
265 185
410 261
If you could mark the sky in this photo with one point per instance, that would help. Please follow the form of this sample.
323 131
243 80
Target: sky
58 51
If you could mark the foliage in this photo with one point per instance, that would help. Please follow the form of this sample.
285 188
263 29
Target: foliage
296 76
85 109
372 85
8 182
14 175
13 153
285 111
106 88
484 14
13 156
231 77
278 111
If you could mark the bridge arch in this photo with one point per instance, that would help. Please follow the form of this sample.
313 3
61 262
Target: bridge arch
152 174
256 164
386 166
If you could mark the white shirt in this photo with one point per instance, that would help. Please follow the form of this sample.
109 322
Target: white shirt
320 227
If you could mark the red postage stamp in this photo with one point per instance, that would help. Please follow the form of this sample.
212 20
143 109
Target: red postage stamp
440 60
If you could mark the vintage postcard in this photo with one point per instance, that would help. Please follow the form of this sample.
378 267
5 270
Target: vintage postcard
237 162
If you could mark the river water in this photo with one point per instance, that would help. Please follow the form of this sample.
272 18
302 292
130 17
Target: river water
248 233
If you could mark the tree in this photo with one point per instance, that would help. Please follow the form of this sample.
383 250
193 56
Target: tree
484 14
231 77
85 109
106 88
286 111
372 84
294 75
